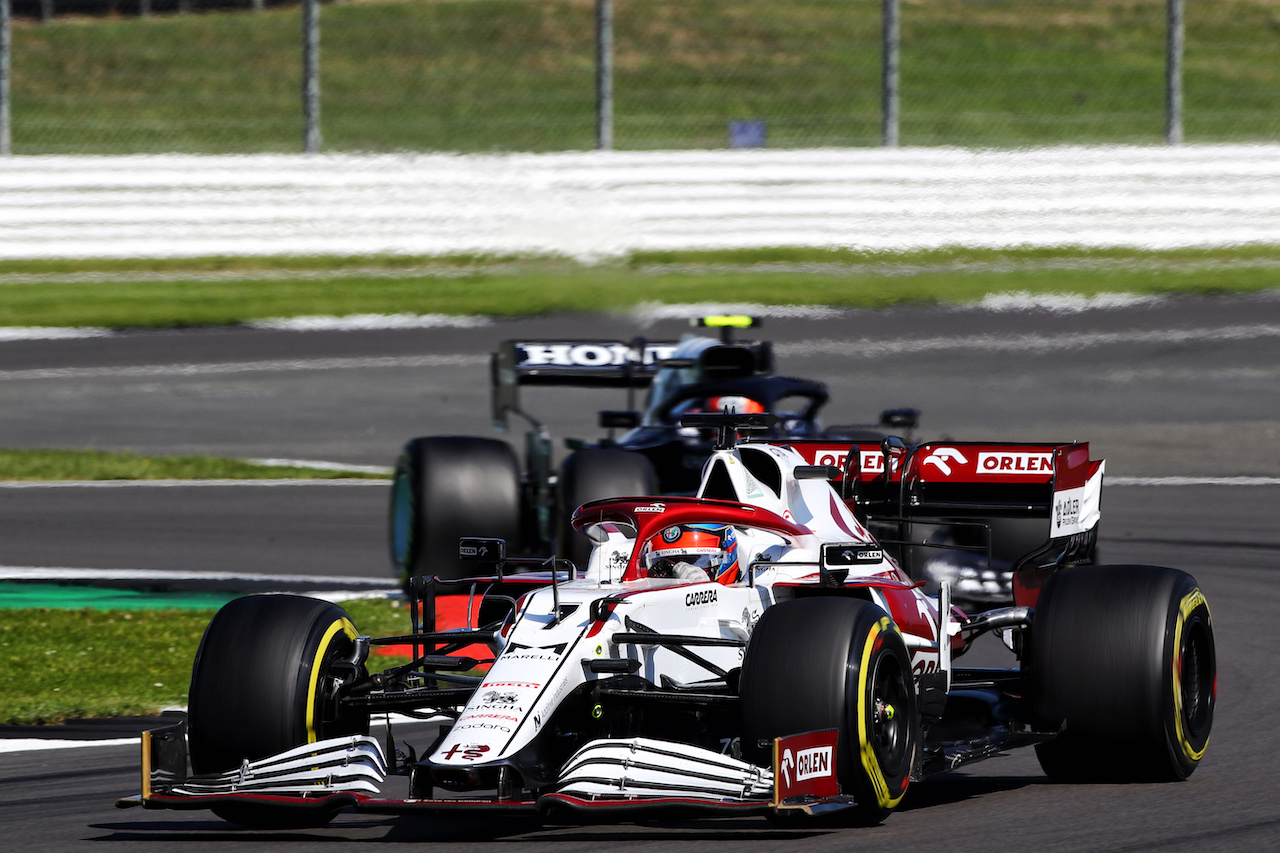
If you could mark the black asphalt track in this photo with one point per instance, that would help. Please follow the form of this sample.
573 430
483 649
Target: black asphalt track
1226 536
1185 387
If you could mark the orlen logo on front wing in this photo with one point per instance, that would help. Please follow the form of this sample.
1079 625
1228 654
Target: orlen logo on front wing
1015 464
808 763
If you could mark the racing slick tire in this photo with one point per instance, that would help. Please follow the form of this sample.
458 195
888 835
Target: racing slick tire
445 488
835 663
1122 659
260 685
592 475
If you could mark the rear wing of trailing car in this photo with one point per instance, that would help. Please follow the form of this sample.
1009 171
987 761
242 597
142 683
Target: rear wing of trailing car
585 364
607 364
897 489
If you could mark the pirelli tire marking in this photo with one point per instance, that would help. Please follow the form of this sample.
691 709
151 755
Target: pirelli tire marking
317 669
1189 603
870 762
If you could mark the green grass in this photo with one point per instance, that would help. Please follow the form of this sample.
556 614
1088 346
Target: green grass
215 291
503 75
61 664
100 465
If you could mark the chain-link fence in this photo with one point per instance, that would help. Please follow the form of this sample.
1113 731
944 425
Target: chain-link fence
520 75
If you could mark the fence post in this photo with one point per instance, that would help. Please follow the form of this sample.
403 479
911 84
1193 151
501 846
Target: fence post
1173 75
311 76
604 75
889 75
6 47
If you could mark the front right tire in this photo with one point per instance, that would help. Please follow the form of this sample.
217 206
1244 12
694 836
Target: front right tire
836 663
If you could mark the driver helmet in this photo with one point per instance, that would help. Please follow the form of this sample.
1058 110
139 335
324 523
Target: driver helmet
711 547
735 405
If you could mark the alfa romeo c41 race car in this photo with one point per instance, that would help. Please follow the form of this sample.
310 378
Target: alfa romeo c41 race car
753 649
442 483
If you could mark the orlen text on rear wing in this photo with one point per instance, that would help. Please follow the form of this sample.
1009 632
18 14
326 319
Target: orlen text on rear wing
585 364
967 484
954 478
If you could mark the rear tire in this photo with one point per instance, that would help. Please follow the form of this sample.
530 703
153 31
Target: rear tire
836 663
445 488
1123 657
596 474
260 685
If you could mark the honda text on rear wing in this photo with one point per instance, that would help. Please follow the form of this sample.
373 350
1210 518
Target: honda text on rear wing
608 364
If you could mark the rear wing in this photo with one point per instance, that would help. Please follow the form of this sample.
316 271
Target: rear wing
585 364
956 479
893 488
608 364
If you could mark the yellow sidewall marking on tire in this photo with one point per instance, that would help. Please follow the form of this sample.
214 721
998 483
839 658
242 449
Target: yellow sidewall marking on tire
1190 602
868 754
313 684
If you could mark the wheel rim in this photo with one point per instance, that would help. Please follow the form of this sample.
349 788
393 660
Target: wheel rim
889 718
1197 680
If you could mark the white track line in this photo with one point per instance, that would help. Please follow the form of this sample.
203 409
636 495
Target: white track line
1029 343
323 466
1192 481
56 573
245 367
367 322
185 484
31 744
50 333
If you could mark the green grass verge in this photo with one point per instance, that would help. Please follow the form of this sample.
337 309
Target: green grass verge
503 75
62 664
219 291
102 465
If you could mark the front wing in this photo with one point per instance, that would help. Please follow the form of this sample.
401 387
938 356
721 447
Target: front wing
605 778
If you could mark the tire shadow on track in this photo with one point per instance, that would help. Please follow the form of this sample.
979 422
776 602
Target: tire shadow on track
950 788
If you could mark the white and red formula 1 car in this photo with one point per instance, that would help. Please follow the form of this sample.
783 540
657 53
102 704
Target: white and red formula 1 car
754 649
